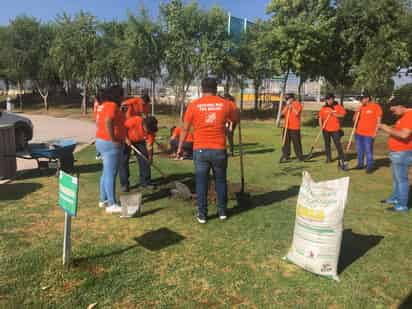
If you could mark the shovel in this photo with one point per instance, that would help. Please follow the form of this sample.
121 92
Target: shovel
353 131
285 132
180 187
310 155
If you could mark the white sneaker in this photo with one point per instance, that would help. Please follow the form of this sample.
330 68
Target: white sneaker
103 204
114 209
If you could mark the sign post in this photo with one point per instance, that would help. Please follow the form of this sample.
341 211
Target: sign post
68 200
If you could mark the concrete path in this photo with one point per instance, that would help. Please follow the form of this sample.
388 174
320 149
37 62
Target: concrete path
47 129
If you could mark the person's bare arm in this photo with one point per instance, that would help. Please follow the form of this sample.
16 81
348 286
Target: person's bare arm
401 134
183 136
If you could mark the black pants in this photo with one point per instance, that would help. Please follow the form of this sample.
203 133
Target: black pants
293 136
187 148
230 138
144 166
335 136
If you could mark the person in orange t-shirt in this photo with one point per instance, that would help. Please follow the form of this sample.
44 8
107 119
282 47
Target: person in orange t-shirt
369 115
110 136
329 120
208 117
137 106
138 131
400 147
187 144
292 113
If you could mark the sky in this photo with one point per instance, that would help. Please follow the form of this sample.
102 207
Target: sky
46 10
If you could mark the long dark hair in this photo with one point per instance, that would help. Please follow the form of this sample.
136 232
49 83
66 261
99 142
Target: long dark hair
112 94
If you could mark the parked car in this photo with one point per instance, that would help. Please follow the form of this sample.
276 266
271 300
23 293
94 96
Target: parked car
23 128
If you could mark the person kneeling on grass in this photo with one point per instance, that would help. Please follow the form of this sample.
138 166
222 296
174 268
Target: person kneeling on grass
110 135
187 147
400 146
208 116
141 134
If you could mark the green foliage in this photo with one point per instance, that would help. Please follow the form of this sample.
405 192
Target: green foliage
74 48
182 28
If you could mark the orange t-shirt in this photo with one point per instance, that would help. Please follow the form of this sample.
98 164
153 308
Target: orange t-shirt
208 116
368 119
294 119
396 144
176 134
135 130
110 110
136 107
333 123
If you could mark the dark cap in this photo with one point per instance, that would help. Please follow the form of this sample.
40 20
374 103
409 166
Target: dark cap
290 96
365 96
209 84
330 96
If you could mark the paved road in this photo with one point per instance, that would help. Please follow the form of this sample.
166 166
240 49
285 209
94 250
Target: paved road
48 129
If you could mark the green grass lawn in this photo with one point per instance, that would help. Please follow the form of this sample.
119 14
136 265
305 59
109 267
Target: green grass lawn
165 259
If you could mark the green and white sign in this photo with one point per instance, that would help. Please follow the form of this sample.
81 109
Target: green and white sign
68 193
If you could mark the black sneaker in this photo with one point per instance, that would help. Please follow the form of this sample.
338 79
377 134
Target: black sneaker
222 215
284 160
125 189
358 167
370 170
201 219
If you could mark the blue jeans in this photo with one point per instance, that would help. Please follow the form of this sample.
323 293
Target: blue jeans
205 160
364 146
401 161
144 166
110 153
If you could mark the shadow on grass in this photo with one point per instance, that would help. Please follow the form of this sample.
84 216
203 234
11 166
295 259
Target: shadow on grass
259 151
354 246
153 241
36 173
89 168
407 302
159 239
248 202
17 191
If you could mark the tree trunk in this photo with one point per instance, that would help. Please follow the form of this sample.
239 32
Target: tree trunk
282 94
7 84
44 95
256 96
301 81
242 88
342 95
84 100
227 85
19 86
154 95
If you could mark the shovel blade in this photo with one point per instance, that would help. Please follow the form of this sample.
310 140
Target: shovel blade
131 205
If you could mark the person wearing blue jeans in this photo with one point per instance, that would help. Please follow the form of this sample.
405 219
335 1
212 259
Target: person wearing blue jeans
400 146
364 146
206 160
366 122
110 153
209 116
110 135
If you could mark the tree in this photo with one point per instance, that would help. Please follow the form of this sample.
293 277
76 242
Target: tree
301 31
45 73
109 57
368 45
182 27
74 51
21 49
144 48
